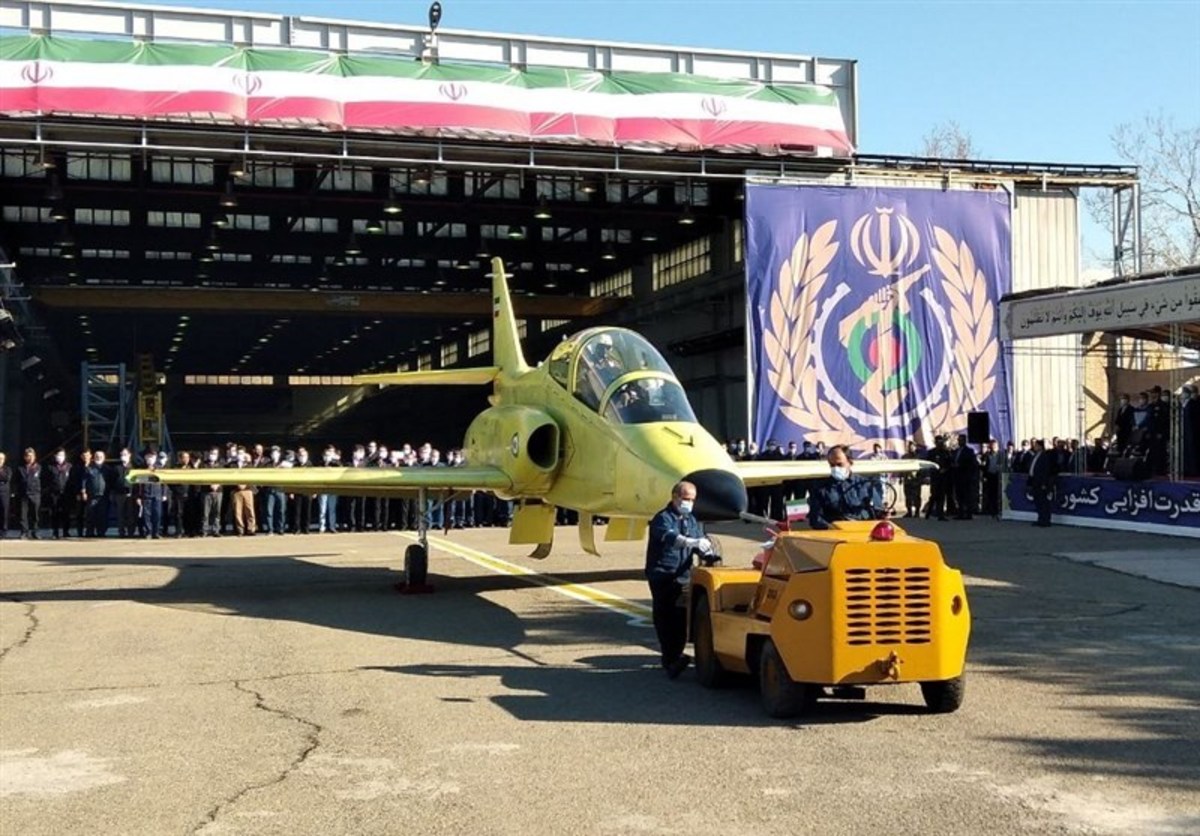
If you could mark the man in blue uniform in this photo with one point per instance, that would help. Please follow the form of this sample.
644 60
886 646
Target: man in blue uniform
843 496
675 535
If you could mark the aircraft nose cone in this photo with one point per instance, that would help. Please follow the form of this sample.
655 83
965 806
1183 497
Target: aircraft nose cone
720 495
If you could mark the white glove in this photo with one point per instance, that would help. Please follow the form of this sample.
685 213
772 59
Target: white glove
704 545
688 543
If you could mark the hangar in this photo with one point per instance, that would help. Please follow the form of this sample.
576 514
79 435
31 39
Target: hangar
208 225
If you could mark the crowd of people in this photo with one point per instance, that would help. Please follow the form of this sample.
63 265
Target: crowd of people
92 496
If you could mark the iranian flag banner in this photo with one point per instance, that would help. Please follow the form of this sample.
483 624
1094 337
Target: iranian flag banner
48 75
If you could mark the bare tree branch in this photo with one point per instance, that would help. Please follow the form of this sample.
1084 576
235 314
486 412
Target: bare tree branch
1168 158
948 141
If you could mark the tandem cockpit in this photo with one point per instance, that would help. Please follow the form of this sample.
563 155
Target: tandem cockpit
621 376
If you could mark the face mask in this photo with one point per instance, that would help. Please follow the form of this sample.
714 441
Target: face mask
275 457
124 459
841 473
303 457
60 458
686 505
212 457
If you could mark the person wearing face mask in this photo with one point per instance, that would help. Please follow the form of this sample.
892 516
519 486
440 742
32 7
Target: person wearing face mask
78 501
300 510
28 493
95 495
675 537
120 497
275 504
58 494
211 498
843 496
327 502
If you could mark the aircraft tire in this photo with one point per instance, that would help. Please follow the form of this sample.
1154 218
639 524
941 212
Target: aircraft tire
416 566
709 672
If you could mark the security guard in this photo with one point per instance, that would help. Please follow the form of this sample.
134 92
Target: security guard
675 535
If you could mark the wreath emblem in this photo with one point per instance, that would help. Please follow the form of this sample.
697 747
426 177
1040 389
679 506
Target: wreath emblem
797 318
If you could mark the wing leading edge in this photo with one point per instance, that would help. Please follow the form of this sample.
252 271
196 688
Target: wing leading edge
350 481
758 474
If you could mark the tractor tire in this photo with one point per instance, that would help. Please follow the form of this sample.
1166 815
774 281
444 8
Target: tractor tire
416 566
709 672
782 697
946 696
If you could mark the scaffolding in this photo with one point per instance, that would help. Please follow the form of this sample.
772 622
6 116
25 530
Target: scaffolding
105 403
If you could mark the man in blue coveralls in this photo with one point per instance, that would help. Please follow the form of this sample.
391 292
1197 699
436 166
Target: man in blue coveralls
675 535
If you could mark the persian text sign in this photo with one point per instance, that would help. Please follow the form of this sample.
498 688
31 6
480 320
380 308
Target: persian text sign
1156 302
1133 504
873 312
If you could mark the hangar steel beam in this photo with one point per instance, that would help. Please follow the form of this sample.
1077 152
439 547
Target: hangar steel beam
324 302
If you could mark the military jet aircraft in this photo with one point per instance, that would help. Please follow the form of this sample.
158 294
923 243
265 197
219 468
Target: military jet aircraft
602 427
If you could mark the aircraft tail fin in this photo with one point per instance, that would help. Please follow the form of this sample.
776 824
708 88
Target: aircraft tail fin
506 340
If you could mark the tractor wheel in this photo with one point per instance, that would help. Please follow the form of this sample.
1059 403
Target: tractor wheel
945 696
416 566
708 668
782 697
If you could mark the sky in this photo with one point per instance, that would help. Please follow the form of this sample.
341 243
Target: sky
1028 81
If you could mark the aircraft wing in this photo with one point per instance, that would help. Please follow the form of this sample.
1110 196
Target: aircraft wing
758 474
346 481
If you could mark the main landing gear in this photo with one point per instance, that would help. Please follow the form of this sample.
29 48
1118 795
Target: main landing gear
416 556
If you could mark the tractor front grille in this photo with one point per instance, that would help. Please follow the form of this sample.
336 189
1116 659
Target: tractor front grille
888 605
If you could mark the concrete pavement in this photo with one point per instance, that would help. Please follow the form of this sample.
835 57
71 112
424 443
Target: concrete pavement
277 685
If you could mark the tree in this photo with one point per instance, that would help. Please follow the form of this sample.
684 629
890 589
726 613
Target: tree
1168 158
948 141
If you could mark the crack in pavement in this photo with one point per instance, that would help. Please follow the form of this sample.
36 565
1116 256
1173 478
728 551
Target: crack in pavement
312 739
34 623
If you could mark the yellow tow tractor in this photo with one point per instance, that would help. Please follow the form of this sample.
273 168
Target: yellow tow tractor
831 612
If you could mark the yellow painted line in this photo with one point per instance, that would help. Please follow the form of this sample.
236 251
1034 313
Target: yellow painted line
639 615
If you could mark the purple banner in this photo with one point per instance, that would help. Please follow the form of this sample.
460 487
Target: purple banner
874 312
1174 506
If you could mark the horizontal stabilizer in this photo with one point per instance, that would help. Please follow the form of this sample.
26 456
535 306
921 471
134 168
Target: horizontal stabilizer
440 377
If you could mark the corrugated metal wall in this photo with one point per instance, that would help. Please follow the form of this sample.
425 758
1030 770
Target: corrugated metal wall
1045 372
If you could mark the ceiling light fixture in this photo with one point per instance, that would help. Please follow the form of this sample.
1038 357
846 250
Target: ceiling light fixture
374 226
516 233
686 218
352 247
220 220
229 199
543 212
609 254
392 206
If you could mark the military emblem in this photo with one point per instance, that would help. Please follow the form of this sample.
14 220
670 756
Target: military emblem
917 334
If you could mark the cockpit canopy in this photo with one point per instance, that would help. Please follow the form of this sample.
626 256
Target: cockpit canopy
620 375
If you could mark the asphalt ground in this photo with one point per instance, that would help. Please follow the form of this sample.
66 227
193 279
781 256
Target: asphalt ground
277 685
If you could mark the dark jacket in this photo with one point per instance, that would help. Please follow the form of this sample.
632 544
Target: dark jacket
664 559
6 476
116 479
1043 468
95 481
831 500
28 481
58 479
